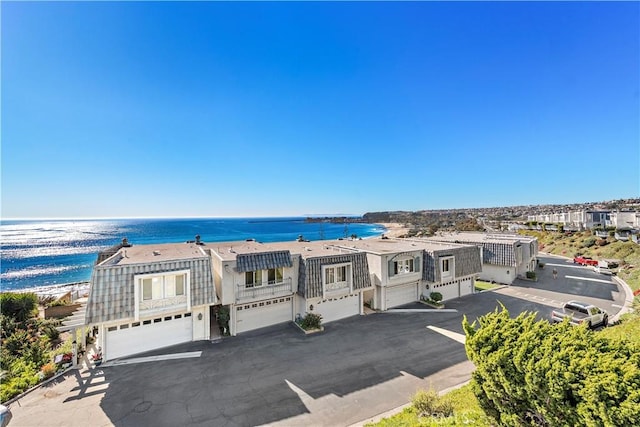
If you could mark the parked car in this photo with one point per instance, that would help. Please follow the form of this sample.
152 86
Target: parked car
585 260
581 312
602 270
5 415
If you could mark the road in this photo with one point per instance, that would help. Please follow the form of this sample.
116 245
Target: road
355 369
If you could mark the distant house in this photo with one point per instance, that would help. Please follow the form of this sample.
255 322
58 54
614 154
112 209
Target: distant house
505 257
151 296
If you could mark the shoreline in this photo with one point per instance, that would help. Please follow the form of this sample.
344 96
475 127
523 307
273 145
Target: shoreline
53 290
394 229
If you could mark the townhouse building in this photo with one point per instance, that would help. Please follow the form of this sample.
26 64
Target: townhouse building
505 257
404 270
144 297
150 296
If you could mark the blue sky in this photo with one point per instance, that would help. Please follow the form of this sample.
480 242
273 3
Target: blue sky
275 109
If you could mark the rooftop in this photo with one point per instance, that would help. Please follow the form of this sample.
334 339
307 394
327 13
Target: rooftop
472 237
138 254
381 246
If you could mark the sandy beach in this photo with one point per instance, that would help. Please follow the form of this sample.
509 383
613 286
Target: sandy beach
394 229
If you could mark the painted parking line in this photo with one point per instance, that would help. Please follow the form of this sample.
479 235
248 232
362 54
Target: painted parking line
186 355
422 310
449 334
588 279
565 265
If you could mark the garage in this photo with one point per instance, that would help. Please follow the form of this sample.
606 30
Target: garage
400 295
448 290
338 308
146 335
263 313
466 287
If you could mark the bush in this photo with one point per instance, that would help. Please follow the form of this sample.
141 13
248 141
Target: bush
19 306
602 242
430 404
531 275
20 377
588 242
48 370
311 321
435 296
530 372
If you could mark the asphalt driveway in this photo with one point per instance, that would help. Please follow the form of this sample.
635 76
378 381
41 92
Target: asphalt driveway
355 369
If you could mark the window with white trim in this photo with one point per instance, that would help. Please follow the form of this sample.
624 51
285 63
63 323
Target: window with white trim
271 276
336 277
403 266
447 267
160 287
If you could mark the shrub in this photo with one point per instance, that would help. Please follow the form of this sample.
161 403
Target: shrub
530 372
430 404
435 296
602 242
48 370
588 242
531 275
19 306
311 321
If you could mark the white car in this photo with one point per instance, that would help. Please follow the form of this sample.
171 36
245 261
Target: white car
602 270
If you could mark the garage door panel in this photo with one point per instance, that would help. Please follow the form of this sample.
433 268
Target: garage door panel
466 287
336 309
128 339
265 313
400 295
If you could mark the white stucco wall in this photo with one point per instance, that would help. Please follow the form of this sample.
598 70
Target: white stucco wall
498 274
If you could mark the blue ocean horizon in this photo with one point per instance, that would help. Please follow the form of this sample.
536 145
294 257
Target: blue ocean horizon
51 252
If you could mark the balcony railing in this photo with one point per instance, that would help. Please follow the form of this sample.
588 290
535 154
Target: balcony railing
158 305
244 292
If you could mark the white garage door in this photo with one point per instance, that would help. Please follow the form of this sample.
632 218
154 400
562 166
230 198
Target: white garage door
448 290
339 308
466 287
263 313
132 338
403 294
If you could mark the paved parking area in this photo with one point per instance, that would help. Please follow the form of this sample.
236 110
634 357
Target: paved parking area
357 368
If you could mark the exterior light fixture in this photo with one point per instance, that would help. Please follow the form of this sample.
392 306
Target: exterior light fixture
199 316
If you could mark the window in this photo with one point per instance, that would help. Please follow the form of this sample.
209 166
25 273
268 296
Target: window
337 277
274 275
403 266
159 287
270 276
253 278
447 267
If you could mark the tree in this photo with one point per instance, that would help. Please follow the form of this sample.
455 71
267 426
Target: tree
530 372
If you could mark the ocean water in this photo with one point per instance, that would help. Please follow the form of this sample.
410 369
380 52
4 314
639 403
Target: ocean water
55 252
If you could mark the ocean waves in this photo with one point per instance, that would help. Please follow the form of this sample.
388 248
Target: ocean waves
55 252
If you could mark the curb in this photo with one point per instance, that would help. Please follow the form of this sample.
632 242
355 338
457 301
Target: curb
628 301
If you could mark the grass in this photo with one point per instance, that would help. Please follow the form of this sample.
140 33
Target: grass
483 286
466 411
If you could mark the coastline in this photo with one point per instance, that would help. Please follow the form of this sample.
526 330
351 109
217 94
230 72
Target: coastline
391 230
394 229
